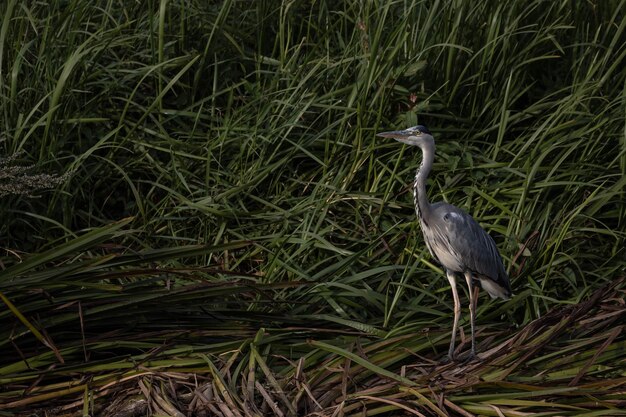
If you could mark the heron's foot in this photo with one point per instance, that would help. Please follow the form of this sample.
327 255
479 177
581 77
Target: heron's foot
470 356
445 360
449 358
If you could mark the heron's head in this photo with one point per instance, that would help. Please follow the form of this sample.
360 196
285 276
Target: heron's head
415 136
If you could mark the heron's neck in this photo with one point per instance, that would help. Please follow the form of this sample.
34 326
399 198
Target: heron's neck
422 206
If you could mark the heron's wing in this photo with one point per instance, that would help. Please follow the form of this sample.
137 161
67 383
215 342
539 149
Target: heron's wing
474 248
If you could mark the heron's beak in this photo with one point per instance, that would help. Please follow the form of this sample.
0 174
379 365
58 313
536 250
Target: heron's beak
394 134
399 135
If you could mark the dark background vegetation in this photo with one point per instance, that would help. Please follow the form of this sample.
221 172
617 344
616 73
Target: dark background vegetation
225 192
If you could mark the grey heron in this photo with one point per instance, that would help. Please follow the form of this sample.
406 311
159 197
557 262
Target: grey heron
453 237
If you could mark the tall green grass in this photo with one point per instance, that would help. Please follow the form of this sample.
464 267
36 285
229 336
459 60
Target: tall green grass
237 141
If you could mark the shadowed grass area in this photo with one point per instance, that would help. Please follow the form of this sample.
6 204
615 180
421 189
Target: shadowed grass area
234 240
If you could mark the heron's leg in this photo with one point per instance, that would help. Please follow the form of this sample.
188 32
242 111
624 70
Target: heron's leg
457 312
472 305
476 294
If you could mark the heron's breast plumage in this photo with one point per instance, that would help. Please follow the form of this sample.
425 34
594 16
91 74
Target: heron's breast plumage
440 248
459 244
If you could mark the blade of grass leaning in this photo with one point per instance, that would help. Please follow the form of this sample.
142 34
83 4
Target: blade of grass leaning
364 363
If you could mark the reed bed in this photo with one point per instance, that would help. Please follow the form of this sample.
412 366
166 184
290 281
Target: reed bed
198 219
